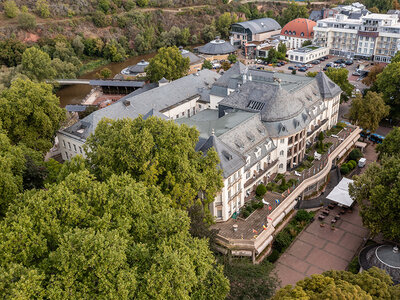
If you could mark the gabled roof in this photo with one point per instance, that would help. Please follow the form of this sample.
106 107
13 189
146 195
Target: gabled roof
194 59
260 25
327 87
230 161
154 113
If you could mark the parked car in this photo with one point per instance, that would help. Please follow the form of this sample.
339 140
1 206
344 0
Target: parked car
326 57
299 65
303 69
309 65
292 68
321 59
315 62
339 61
342 66
349 62
356 73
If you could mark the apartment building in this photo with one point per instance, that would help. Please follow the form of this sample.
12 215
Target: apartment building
372 36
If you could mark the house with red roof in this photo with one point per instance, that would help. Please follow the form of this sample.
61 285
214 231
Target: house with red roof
296 32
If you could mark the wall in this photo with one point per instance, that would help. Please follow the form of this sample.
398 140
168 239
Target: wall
67 146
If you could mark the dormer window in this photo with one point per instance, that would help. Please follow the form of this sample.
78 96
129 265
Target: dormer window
250 136
294 32
247 160
258 152
302 34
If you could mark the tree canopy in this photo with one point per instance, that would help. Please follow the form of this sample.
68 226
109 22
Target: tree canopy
388 82
84 239
224 23
369 110
293 11
391 144
168 63
377 192
11 52
36 64
340 77
371 284
30 113
157 152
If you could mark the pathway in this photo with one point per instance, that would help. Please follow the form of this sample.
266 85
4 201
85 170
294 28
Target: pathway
318 249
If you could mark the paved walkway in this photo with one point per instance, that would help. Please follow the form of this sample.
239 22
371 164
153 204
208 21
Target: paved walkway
318 249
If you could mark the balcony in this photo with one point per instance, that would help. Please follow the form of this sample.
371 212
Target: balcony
316 128
261 173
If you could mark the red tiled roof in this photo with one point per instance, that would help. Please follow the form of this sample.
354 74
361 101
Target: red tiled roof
301 28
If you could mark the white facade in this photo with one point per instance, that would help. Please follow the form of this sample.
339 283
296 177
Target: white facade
374 36
307 54
293 42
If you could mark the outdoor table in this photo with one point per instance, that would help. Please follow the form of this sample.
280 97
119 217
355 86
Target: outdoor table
321 217
325 212
337 217
333 221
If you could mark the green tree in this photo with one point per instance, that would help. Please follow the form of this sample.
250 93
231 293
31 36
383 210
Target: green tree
293 11
142 3
369 110
387 83
64 69
377 192
26 21
396 57
382 5
42 8
306 43
11 52
36 64
184 37
105 73
224 23
232 58
83 239
311 74
391 144
209 32
340 77
225 65
158 153
168 63
207 65
282 48
12 164
31 114
114 51
272 55
11 9
104 5
342 285
100 19
261 190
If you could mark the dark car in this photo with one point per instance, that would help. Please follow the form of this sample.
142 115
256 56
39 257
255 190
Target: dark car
325 68
339 61
315 62
303 69
291 68
348 62
321 59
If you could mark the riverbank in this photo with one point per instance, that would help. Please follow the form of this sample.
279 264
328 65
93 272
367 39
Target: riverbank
92 65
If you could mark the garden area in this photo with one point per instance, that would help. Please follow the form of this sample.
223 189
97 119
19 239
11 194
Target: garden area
285 238
351 162
335 129
280 185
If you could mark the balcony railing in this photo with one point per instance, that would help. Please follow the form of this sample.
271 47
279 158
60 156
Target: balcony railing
261 173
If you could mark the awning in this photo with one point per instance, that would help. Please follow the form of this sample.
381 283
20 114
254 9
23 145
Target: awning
340 194
361 145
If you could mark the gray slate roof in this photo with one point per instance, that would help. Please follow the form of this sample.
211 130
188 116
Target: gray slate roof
327 87
260 25
230 160
149 99
217 47
138 68
194 59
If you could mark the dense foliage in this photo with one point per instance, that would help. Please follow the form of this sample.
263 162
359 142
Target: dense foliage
156 152
340 77
368 111
371 284
377 192
117 239
387 83
391 144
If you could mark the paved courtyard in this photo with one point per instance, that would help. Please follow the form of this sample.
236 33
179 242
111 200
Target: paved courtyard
318 249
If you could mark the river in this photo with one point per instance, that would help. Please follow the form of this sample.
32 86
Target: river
74 94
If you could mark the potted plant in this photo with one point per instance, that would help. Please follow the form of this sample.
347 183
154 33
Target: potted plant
333 227
322 224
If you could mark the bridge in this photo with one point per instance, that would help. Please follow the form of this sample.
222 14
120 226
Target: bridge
71 81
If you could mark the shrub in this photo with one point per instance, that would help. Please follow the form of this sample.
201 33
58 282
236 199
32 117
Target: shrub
26 21
273 257
261 190
310 158
245 214
354 266
355 154
321 136
279 177
272 186
352 164
10 9
294 72
282 241
42 8
303 215
341 125
344 169
100 19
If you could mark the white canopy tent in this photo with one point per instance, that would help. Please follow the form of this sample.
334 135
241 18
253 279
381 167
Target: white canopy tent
340 194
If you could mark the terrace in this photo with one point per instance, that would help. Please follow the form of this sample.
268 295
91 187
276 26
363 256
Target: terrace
250 236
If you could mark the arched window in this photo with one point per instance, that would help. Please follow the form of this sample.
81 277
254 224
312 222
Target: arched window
281 166
286 32
294 32
282 153
290 32
302 34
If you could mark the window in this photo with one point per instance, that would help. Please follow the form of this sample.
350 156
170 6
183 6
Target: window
69 145
177 116
63 143
229 194
258 152
66 155
281 166
282 141
229 180
80 150
247 159
258 167
219 213
248 175
282 153
183 114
